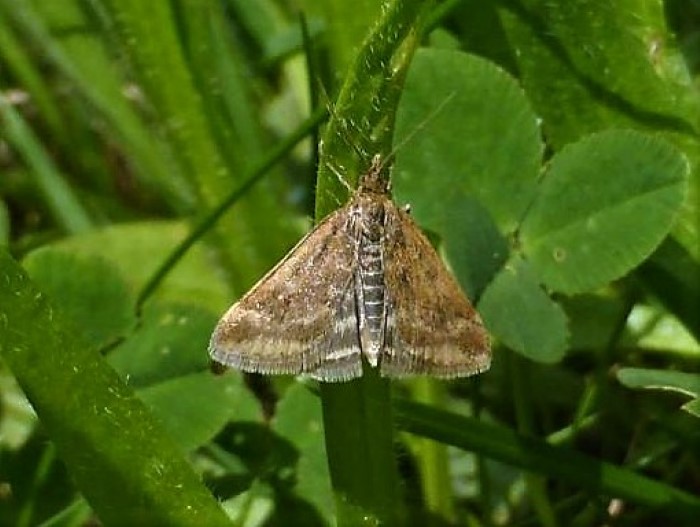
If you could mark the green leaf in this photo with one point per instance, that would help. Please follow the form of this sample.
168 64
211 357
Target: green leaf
604 205
347 26
298 419
196 407
692 407
620 66
129 470
590 69
473 245
18 63
90 290
137 250
166 357
475 135
676 381
362 124
279 472
518 312
685 383
171 341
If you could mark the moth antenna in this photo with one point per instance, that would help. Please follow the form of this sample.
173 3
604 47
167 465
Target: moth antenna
342 126
342 123
391 155
340 177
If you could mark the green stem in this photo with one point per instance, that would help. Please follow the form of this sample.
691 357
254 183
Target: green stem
432 456
536 485
359 441
363 120
357 415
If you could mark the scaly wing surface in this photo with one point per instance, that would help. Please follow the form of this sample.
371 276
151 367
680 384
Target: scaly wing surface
431 328
301 317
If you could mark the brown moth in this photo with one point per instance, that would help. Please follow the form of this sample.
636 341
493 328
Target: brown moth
364 283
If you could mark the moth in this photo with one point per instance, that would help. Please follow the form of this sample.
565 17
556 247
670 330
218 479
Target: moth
364 284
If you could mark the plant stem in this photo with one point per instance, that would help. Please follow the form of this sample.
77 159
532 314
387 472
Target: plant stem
357 415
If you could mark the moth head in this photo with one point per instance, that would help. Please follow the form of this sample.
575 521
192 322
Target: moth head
374 180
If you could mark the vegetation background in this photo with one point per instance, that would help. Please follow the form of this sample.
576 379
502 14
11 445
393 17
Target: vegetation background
156 158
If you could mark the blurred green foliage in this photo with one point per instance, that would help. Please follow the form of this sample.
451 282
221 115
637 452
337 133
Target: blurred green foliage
551 150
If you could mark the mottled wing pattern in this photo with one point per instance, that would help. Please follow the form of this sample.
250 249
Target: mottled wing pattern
300 318
431 327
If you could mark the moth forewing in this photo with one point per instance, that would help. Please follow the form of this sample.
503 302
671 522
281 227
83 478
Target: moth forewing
286 324
432 328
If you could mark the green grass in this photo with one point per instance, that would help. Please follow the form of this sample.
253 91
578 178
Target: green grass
157 158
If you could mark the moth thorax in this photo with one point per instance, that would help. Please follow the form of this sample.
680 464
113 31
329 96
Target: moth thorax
372 221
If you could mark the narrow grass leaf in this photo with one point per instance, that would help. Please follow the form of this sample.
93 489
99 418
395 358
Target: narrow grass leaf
65 206
120 458
536 455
